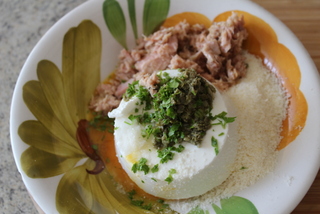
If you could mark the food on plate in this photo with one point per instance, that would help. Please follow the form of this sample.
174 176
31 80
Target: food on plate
244 88
261 106
215 53
175 143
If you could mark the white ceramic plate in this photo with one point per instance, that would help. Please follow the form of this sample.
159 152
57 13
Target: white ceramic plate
279 192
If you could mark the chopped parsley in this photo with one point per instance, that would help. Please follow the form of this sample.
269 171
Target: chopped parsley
169 179
131 194
134 89
180 108
102 122
161 201
223 120
167 154
94 146
163 205
128 123
150 205
138 203
214 143
141 166
155 168
179 111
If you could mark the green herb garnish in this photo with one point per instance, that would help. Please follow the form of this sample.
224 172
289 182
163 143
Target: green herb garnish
141 166
214 143
102 122
138 202
94 146
128 123
167 154
180 108
223 120
131 194
134 89
155 168
169 179
163 205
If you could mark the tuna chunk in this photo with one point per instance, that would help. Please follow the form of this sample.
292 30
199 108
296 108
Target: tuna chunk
215 53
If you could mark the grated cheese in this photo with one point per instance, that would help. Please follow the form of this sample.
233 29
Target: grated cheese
261 105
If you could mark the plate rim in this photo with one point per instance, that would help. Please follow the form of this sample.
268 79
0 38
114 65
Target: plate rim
275 24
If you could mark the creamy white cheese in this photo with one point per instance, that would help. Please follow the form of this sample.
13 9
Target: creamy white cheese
198 168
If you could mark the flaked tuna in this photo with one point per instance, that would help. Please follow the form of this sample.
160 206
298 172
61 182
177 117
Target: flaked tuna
215 53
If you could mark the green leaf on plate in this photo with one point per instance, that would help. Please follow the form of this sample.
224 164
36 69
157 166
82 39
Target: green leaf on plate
217 209
132 14
68 64
83 75
235 205
73 193
50 79
40 164
59 101
119 201
38 104
115 20
154 14
35 134
80 192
